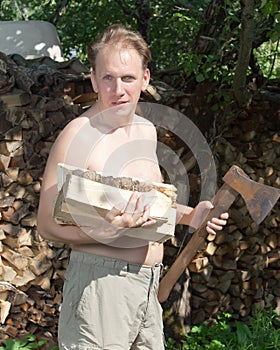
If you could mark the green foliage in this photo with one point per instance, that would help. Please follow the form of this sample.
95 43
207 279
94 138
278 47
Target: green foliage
261 333
28 342
268 53
174 29
219 66
173 23
206 68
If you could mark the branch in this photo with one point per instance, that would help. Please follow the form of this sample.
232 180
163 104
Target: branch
144 18
61 7
262 31
246 39
211 28
127 11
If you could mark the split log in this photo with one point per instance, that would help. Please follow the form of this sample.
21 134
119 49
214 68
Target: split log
85 197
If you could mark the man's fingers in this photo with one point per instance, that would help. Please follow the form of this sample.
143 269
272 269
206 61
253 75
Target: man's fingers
134 204
135 213
115 211
214 227
143 218
146 212
149 222
218 222
224 216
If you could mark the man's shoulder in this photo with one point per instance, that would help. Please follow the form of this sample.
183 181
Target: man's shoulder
83 118
145 122
77 122
145 128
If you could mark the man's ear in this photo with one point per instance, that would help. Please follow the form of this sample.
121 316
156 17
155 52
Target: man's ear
93 81
146 79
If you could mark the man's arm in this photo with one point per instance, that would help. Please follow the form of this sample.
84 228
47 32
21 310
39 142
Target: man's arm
195 216
47 226
134 214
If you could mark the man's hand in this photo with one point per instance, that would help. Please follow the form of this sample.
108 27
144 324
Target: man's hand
134 213
199 214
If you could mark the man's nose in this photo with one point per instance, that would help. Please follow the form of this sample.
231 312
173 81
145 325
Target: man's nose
118 87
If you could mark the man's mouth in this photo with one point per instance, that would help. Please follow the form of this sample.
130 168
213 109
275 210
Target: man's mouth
118 103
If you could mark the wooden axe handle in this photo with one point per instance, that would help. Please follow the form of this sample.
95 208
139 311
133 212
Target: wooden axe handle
222 202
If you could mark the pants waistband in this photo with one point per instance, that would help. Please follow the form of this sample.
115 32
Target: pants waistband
115 263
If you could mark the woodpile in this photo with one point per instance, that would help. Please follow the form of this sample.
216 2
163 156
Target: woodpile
33 111
236 271
239 270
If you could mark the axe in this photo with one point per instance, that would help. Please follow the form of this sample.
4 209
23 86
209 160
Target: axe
259 199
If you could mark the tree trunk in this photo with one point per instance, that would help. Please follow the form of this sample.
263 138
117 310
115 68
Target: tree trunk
207 39
241 93
142 14
144 19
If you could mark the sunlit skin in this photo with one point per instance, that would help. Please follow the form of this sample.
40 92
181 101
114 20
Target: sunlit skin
119 79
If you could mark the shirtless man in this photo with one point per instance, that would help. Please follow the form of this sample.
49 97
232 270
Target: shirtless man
110 290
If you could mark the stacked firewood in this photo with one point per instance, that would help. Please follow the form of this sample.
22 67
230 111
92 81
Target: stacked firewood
33 111
237 270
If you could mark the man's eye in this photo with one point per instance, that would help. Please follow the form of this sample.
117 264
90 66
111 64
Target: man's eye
107 77
128 78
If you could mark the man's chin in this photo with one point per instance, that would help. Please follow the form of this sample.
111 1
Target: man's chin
124 110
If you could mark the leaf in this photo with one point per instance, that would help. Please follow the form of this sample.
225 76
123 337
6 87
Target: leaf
200 78
215 107
9 343
32 346
17 347
215 345
196 329
263 3
21 343
30 337
243 333
41 342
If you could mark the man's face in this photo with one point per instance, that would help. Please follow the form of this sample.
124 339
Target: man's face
119 77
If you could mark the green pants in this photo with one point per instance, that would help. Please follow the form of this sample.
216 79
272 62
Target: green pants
110 304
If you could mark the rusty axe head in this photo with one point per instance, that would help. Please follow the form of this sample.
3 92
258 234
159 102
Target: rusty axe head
259 198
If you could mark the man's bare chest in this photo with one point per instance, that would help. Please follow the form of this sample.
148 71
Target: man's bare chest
120 157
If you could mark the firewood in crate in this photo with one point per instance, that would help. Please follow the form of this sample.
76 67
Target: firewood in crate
85 197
